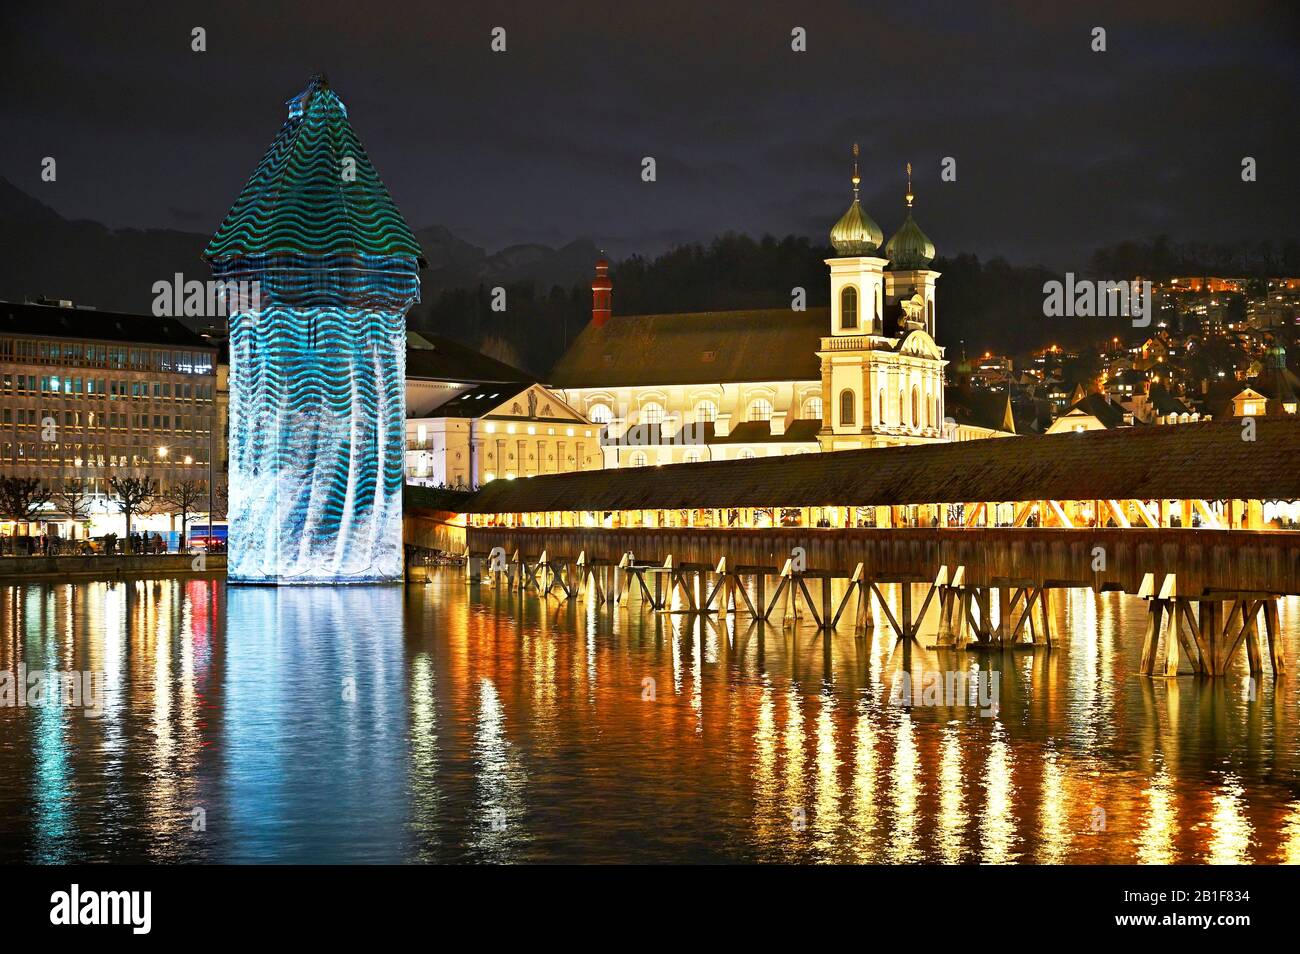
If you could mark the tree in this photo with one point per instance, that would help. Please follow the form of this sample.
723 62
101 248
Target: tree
220 503
21 498
134 495
185 497
73 500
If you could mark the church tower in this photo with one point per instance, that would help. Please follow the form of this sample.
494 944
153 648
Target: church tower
909 277
882 373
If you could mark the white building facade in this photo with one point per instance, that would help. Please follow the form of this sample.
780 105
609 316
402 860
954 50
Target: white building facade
683 388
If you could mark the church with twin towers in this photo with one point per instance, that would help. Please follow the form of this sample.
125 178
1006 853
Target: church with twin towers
864 372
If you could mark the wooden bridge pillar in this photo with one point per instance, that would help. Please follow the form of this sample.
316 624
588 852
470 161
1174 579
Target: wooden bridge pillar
1209 641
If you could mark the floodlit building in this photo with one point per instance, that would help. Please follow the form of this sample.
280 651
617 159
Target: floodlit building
864 372
89 395
471 419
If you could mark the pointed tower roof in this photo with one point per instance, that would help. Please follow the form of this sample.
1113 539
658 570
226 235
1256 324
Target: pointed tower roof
1276 382
1008 422
909 248
315 192
855 234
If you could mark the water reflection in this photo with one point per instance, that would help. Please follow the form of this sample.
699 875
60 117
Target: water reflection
438 724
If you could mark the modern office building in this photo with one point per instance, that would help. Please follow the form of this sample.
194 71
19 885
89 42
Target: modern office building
88 395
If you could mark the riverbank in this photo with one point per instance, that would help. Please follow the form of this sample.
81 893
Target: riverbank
109 567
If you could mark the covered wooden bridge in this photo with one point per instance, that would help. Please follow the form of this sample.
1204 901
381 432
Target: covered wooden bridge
1199 519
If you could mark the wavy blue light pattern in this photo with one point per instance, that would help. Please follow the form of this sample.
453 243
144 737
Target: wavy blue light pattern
318 367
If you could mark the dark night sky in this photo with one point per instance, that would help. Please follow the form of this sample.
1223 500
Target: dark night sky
1058 149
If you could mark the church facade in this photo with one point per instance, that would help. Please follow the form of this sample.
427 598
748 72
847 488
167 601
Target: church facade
864 372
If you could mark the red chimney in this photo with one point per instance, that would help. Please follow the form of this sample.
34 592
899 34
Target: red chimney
602 290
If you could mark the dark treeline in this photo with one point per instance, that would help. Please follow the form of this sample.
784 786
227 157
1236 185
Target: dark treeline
1159 258
983 305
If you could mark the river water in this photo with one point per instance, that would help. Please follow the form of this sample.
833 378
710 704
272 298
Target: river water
436 723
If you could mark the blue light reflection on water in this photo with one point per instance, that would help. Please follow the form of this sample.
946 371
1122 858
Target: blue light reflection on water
376 724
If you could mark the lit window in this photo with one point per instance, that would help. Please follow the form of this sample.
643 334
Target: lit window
638 459
706 412
747 454
600 413
849 307
812 409
760 410
848 410
652 413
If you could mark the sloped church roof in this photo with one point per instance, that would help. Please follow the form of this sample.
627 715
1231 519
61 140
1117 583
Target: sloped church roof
707 347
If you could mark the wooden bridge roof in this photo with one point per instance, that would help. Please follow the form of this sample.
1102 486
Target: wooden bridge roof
1180 461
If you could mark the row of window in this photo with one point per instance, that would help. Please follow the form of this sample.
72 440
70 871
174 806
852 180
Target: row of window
97 455
849 309
706 412
849 415
640 459
91 420
73 386
86 354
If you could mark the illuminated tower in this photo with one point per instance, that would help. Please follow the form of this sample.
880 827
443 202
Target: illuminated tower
882 372
318 357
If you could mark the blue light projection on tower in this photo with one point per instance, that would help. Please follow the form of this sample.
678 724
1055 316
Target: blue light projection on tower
318 358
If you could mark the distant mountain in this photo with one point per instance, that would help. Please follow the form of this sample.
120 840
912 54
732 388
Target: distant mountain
115 269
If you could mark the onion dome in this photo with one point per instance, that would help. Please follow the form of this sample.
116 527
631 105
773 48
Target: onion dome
909 248
855 234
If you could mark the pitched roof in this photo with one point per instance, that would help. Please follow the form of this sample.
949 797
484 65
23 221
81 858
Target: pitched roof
54 321
1107 413
990 409
803 430
477 401
706 347
1188 461
1165 401
299 200
431 357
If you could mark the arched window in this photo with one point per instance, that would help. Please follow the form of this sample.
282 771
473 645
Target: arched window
882 405
652 412
692 457
706 412
916 406
812 409
902 407
848 414
929 310
875 311
638 459
760 410
600 413
849 307
747 454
